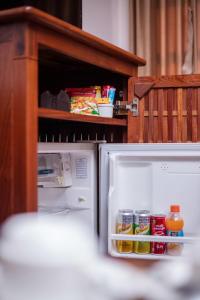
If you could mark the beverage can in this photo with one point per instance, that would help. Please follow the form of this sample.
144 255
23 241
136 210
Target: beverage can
142 226
158 227
125 226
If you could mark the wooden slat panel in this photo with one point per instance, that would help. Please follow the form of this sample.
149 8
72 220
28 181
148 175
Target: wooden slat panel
151 125
142 120
184 131
155 119
165 120
170 117
146 121
174 119
198 114
189 114
194 118
160 115
180 114
171 109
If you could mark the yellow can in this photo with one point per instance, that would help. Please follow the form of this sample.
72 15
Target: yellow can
142 226
125 226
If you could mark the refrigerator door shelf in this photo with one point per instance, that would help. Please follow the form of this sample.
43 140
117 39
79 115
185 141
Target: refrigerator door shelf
150 177
155 238
147 256
186 240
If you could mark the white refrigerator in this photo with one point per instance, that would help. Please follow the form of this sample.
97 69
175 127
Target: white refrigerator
98 180
148 177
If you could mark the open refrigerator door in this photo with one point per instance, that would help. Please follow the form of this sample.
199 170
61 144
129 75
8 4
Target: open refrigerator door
149 178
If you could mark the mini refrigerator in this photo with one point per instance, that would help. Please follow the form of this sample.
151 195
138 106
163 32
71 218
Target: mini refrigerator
148 177
94 181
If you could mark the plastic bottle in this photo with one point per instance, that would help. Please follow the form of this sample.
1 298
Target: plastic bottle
174 225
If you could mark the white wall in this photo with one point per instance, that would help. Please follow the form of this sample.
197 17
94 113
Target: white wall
107 19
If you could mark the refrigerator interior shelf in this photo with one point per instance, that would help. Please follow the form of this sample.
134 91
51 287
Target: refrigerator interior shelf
156 238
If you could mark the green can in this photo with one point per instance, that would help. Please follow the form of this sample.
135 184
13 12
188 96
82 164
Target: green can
142 226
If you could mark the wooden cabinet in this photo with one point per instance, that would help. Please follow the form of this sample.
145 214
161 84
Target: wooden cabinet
39 52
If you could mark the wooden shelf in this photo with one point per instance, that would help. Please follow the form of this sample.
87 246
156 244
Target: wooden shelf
62 115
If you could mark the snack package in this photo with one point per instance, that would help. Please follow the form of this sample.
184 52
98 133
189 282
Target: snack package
87 92
84 105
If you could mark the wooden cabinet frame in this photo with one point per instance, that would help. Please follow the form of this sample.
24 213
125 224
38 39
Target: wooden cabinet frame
23 31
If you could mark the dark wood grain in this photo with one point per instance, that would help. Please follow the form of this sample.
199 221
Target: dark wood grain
6 34
6 148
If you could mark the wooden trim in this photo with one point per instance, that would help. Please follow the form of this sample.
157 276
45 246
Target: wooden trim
175 113
172 81
66 116
141 89
6 148
75 49
25 93
133 135
37 16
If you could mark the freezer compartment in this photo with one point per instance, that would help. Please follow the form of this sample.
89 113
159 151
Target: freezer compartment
153 181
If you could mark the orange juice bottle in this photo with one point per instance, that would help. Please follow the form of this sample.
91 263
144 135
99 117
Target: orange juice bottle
174 225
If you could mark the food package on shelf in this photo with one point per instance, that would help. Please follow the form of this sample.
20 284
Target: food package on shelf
85 100
84 105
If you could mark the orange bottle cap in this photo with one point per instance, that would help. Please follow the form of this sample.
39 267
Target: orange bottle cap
175 208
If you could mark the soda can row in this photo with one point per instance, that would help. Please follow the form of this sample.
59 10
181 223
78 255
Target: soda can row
140 223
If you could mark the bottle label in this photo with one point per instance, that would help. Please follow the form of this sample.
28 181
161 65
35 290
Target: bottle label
175 233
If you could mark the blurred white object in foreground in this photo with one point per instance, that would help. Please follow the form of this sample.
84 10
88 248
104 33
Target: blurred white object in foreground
182 276
49 258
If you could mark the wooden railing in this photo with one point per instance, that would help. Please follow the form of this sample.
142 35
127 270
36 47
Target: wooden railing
169 109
